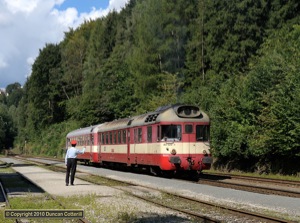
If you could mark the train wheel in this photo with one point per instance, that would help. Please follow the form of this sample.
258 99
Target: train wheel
194 175
155 170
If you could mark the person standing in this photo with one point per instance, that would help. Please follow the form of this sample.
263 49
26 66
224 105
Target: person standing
71 162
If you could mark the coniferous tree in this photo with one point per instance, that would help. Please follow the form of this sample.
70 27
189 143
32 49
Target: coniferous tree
40 104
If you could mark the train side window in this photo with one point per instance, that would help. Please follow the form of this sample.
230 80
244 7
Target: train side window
124 136
149 134
110 138
115 137
135 136
188 128
140 134
106 138
119 137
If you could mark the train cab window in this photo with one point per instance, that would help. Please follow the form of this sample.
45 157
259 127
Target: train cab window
202 132
149 134
171 132
188 129
106 138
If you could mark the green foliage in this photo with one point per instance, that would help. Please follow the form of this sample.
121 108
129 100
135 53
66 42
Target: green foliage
7 129
234 31
279 86
257 116
52 140
281 13
42 93
15 93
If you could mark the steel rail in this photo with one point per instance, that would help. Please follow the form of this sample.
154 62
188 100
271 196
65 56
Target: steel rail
251 178
251 187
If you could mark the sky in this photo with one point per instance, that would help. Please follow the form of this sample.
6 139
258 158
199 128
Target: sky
27 25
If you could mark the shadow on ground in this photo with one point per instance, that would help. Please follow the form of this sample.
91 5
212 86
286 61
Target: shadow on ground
14 183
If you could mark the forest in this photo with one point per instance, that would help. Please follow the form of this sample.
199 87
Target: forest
239 60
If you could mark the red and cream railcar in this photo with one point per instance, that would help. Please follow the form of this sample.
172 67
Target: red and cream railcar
172 138
86 138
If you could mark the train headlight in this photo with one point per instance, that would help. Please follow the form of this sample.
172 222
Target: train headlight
173 152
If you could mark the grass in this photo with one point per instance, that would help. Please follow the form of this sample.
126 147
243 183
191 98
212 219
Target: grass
40 201
100 209
6 170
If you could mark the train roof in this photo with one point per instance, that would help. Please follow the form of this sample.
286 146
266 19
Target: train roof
84 131
170 113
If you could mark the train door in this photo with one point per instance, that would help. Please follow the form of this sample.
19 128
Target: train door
99 142
149 139
126 138
90 143
189 137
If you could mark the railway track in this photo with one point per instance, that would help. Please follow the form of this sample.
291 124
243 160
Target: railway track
253 184
3 198
204 210
290 183
201 210
261 185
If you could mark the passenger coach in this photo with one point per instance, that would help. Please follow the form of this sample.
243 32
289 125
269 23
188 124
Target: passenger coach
171 139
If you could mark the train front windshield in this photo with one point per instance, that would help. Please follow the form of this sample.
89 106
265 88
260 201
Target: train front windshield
171 132
202 133
175 132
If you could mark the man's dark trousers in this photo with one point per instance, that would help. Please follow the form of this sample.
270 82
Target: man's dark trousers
71 168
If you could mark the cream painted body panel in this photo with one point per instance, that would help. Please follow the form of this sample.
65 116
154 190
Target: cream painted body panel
159 148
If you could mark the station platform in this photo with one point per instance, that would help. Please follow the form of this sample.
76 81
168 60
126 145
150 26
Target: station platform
54 182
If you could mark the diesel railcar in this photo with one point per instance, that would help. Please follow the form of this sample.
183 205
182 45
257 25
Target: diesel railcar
171 139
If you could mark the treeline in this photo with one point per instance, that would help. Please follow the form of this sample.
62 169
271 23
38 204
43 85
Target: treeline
238 60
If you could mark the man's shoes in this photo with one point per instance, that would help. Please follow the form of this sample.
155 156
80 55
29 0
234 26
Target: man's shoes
72 184
67 184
